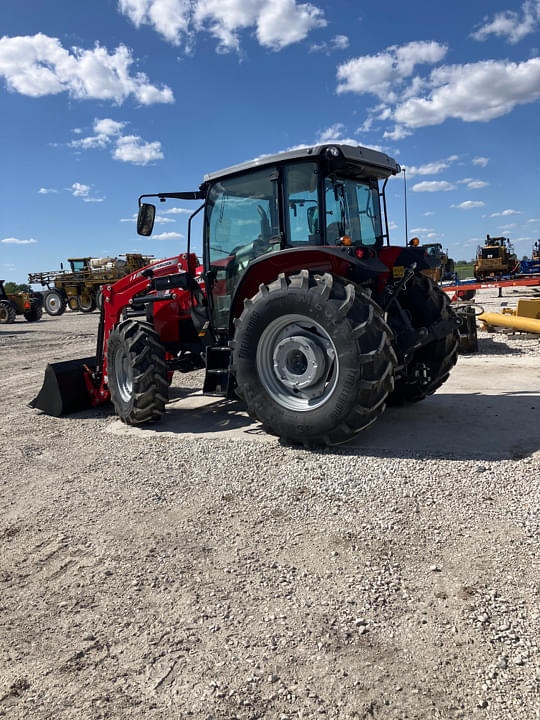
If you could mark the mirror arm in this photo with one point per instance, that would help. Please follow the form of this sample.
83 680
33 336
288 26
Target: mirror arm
194 195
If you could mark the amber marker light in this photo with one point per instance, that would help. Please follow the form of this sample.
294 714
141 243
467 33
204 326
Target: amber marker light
346 240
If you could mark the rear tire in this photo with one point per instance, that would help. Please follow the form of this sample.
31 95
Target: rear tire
426 303
137 372
312 359
87 303
34 312
7 312
54 303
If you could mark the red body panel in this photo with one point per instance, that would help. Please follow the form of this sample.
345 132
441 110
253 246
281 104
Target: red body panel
388 256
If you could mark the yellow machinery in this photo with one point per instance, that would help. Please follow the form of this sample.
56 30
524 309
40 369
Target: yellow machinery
80 287
526 317
495 258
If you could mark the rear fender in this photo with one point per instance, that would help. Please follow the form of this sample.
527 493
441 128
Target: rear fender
334 260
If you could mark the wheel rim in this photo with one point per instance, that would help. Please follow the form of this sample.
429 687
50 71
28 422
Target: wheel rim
123 374
53 302
297 363
3 313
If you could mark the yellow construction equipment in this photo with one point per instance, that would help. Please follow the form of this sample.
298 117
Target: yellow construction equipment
526 317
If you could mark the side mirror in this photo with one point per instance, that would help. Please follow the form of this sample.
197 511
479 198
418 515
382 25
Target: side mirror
145 219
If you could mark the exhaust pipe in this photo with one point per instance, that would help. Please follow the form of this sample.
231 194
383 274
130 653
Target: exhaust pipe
66 387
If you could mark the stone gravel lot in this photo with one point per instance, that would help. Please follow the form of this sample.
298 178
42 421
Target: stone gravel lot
201 569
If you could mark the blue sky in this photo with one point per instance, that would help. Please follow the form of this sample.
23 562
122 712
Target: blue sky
103 101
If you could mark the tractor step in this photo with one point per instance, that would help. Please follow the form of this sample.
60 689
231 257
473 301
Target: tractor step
217 380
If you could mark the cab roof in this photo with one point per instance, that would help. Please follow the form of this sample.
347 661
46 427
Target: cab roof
372 162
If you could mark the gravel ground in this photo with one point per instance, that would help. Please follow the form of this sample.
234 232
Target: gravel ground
175 575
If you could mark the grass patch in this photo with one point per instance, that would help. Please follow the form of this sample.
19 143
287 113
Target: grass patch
464 270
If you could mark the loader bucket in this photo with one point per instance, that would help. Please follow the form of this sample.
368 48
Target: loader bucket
64 388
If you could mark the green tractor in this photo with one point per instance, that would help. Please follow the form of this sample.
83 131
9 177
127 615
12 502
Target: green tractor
21 303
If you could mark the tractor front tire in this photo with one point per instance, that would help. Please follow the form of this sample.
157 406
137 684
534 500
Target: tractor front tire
137 372
7 312
426 304
312 359
34 312
54 303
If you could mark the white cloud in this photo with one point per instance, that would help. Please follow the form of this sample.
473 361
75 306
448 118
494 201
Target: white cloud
383 73
170 18
398 133
480 161
338 42
168 236
17 241
80 190
473 184
511 24
505 213
431 168
177 210
127 148
158 219
422 230
46 191
38 65
469 205
277 23
108 127
335 134
475 92
433 186
133 149
429 213
105 130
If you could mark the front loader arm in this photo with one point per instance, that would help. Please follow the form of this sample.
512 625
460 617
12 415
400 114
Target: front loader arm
122 295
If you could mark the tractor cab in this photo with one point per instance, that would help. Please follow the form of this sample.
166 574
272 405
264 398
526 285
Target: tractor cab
318 201
79 264
290 203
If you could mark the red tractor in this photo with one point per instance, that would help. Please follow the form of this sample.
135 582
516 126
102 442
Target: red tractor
299 309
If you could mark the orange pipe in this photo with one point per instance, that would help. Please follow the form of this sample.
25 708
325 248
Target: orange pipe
511 321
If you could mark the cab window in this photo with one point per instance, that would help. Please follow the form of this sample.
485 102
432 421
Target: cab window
242 223
301 194
352 208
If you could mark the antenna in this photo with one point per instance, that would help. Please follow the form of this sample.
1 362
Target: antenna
405 202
